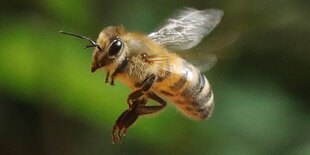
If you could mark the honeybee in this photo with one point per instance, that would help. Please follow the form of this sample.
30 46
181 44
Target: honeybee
151 70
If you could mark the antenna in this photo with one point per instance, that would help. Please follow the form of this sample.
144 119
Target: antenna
93 44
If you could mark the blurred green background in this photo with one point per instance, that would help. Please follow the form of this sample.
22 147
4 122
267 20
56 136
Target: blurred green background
50 103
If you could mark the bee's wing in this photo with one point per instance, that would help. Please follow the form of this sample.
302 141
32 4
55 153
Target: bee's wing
204 61
187 29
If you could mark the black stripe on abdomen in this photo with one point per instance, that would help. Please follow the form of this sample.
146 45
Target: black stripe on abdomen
196 95
193 91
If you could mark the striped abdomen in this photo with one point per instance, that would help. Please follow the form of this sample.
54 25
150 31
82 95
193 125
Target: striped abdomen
185 86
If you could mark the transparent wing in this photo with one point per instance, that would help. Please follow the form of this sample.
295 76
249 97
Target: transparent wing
205 57
204 61
187 29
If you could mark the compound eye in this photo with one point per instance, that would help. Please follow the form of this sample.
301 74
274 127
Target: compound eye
115 47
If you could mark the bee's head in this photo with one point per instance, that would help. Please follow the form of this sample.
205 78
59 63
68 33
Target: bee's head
112 47
109 46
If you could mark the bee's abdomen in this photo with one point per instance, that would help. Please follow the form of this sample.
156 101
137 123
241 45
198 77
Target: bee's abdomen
191 93
198 98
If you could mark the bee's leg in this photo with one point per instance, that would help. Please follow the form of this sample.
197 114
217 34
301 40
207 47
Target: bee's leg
156 98
119 69
125 120
118 126
107 77
128 117
142 110
138 93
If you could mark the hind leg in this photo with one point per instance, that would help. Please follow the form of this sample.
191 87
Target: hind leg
124 121
128 117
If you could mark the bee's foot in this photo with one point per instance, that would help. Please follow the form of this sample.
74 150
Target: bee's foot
107 77
117 134
124 121
112 82
125 132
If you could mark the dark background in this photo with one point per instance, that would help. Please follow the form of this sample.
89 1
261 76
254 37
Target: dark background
50 103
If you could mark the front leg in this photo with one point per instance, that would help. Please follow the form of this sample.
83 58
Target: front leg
119 69
107 77
138 93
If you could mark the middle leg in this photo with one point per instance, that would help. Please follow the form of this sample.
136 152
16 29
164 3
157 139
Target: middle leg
140 92
144 109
